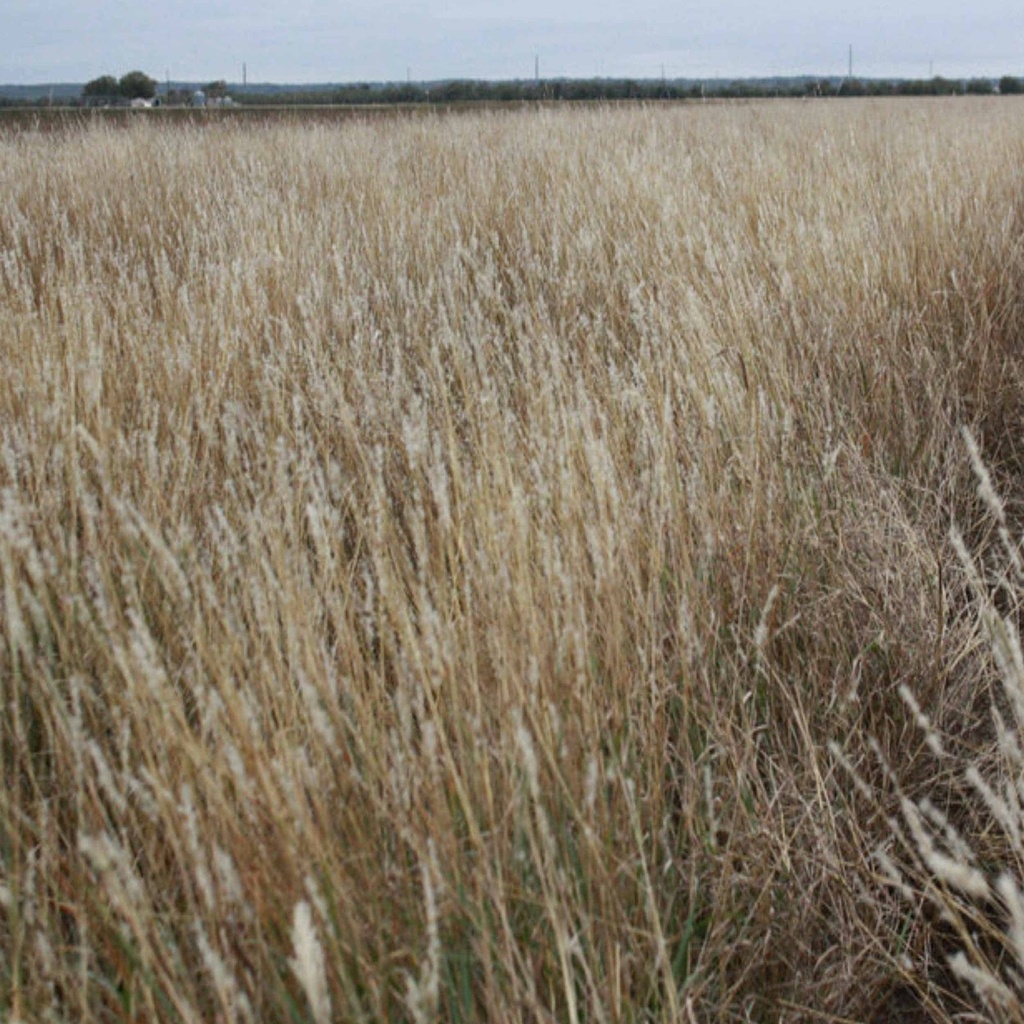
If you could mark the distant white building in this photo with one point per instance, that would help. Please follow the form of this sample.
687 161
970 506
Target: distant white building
199 98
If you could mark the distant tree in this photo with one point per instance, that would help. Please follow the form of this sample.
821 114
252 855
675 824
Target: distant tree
508 92
980 87
945 87
217 90
105 85
137 85
1008 85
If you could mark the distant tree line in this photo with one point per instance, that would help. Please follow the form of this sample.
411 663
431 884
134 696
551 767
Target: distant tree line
469 91
138 85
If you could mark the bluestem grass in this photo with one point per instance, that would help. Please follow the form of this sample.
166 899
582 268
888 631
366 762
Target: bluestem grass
435 554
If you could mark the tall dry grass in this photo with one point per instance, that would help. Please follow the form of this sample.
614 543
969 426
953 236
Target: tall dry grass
436 557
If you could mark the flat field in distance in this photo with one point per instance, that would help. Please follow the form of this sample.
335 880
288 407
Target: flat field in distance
50 119
496 567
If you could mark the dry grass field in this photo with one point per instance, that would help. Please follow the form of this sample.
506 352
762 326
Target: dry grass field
499 567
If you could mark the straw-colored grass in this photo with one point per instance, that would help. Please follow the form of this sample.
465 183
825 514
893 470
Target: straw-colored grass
436 557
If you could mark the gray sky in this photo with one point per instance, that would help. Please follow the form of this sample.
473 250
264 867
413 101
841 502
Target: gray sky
321 40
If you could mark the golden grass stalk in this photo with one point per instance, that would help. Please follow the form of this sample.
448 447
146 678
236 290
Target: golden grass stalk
436 554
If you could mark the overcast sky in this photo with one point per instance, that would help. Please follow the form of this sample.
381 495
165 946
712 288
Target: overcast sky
331 41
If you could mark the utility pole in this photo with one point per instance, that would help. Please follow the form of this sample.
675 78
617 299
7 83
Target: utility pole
536 68
850 70
244 75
